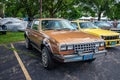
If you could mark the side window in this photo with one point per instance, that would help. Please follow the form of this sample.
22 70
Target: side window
45 24
35 25
82 25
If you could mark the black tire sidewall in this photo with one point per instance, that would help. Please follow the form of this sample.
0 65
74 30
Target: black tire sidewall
50 62
4 32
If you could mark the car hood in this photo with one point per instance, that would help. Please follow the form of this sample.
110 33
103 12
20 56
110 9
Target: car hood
99 32
71 37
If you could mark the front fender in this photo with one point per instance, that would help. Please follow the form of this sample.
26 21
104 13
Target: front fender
46 43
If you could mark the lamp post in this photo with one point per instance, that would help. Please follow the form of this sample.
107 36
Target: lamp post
40 8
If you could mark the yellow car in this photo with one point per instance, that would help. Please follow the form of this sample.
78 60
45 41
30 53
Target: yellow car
111 38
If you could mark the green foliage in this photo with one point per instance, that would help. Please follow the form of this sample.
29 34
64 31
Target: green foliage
54 8
97 6
71 9
114 12
11 37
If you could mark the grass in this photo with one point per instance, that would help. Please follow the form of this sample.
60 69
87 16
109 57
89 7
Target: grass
11 37
14 37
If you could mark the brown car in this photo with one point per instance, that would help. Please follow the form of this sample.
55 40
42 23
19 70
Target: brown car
58 40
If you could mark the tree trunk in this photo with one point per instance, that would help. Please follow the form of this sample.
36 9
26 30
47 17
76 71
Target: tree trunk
1 11
52 15
99 16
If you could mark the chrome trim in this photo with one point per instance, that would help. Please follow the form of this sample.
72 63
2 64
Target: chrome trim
76 57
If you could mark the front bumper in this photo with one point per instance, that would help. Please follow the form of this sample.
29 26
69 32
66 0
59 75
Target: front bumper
79 57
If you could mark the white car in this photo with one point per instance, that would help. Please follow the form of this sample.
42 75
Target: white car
14 24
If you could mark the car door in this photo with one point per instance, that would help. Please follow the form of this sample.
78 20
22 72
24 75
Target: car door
35 34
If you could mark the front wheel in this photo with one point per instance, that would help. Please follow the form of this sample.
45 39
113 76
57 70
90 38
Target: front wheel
90 61
47 60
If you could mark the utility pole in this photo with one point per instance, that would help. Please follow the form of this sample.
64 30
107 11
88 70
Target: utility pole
2 9
40 8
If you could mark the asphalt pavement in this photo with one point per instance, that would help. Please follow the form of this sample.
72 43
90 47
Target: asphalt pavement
103 68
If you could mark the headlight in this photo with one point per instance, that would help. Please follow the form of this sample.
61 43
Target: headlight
63 48
102 44
97 44
70 47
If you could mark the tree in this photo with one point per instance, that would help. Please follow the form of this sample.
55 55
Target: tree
73 12
98 6
54 8
30 7
114 12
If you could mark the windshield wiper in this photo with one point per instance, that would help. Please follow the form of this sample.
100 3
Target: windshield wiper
92 28
66 29
49 29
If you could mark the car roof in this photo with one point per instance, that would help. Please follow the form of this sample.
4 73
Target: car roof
79 21
51 19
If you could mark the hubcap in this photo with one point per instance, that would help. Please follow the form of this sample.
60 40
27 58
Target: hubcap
44 58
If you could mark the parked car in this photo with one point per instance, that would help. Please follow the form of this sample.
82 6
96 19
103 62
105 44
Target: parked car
13 24
103 25
58 40
3 29
111 38
116 29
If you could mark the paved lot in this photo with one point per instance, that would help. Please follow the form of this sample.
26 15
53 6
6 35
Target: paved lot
104 68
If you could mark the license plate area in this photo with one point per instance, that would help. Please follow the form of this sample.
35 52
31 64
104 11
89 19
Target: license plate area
113 43
88 56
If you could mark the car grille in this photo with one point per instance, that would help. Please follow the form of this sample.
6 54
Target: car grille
116 31
88 47
110 37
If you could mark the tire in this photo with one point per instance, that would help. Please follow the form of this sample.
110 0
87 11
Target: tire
90 61
4 32
27 43
47 60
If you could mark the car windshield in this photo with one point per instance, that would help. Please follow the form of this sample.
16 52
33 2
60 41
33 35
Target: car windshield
102 24
118 26
84 25
57 25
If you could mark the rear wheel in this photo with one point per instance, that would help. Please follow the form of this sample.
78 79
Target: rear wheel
27 43
4 28
47 60
4 32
